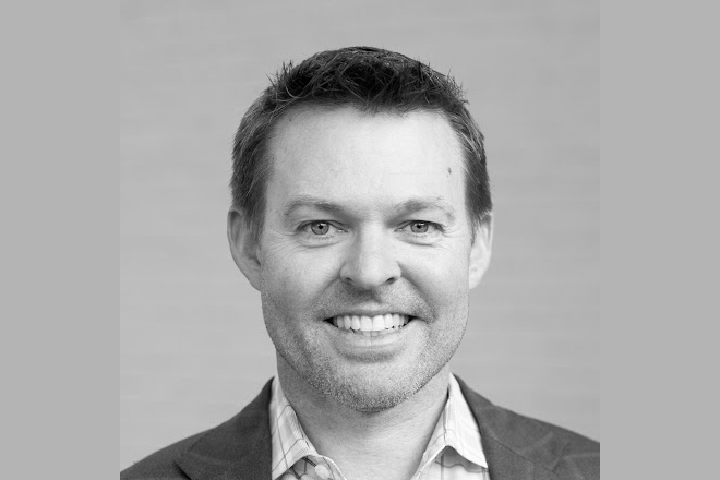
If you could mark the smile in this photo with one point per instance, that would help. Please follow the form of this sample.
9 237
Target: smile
371 326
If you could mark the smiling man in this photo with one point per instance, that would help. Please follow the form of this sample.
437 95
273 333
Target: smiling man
362 213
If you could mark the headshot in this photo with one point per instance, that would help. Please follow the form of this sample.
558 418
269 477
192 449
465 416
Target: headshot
362 215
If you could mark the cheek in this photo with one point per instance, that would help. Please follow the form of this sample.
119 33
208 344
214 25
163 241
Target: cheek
440 267
298 276
441 278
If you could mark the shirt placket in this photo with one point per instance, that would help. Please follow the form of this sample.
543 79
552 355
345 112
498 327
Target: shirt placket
315 467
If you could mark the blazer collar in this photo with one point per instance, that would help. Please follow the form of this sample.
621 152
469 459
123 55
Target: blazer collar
240 449
515 447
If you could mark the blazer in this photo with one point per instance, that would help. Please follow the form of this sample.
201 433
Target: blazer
515 447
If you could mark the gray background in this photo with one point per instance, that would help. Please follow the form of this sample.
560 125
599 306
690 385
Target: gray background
193 349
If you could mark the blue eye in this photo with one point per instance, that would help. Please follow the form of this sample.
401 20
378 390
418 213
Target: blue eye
419 227
422 227
421 231
320 228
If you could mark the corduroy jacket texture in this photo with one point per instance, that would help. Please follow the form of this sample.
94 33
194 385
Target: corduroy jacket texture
516 448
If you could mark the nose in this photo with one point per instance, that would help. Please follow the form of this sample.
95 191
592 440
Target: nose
370 262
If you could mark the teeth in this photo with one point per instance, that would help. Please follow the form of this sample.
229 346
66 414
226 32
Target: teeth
371 326
366 324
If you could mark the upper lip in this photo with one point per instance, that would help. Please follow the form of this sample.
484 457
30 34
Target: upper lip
371 312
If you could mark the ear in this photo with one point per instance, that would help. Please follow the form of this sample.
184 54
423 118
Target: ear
480 251
243 246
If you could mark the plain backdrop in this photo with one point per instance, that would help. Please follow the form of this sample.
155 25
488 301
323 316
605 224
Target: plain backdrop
193 349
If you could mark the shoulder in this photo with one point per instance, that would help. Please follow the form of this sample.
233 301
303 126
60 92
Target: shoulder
243 438
509 437
161 464
580 456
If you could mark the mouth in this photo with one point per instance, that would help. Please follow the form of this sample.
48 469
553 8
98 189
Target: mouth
371 326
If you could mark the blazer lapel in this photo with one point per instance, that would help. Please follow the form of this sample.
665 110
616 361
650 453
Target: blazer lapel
515 447
239 449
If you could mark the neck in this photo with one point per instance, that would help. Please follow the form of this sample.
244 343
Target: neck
383 444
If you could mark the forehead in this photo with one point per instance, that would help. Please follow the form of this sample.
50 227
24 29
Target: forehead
346 155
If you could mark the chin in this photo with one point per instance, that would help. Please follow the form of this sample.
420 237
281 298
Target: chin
370 392
369 398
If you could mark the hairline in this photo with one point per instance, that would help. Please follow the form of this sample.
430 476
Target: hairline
265 170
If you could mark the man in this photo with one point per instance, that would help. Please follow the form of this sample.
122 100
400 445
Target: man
362 213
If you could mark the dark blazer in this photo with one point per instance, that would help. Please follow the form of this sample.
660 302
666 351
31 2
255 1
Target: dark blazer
516 448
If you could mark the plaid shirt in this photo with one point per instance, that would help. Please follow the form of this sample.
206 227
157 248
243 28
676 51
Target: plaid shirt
454 451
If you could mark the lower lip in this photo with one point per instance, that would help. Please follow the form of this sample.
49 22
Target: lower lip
366 343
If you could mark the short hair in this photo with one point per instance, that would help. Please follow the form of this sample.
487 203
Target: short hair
369 79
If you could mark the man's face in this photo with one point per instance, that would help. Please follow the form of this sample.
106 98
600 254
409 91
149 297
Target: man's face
366 216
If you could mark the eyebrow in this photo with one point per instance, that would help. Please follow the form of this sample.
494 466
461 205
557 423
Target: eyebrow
427 203
310 201
409 206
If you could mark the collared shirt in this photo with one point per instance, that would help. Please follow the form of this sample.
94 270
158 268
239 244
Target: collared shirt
453 453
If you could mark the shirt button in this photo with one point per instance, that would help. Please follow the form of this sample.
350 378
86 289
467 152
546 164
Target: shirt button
322 472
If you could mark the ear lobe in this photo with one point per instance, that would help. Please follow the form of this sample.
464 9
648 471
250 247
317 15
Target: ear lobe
243 246
480 251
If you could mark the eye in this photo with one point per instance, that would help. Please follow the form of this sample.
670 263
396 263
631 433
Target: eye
419 227
320 228
422 230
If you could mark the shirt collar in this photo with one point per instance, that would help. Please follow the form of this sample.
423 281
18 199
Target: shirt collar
455 428
289 442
